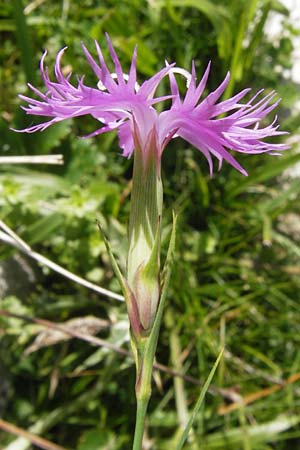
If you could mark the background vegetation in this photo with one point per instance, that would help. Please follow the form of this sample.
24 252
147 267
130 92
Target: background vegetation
236 276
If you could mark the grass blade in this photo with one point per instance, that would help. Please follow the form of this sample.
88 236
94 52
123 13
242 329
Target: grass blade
24 41
189 425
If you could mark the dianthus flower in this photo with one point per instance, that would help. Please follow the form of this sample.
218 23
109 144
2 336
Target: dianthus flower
118 102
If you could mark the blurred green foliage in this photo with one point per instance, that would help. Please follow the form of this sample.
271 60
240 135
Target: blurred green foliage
236 276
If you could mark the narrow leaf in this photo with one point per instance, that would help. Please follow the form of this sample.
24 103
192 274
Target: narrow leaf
199 403
166 274
113 261
128 295
152 341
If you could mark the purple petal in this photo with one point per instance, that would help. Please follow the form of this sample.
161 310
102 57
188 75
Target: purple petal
116 62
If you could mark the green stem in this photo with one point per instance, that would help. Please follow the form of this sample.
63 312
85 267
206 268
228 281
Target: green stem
145 358
145 349
147 287
141 411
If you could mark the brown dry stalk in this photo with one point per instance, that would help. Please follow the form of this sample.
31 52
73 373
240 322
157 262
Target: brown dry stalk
36 159
33 438
244 401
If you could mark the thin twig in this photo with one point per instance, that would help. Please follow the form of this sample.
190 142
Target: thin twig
36 159
14 240
103 343
33 438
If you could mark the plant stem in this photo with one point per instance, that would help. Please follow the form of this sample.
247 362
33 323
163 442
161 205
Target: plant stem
143 272
145 350
146 289
141 411
145 357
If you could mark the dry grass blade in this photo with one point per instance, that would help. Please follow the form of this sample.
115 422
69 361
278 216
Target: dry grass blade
88 325
244 401
37 159
33 438
69 331
14 240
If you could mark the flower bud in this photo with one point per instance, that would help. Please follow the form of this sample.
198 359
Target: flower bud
143 264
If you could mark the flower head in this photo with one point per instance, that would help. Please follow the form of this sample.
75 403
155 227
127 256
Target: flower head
119 103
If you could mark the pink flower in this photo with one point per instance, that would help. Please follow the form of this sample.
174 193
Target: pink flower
120 103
